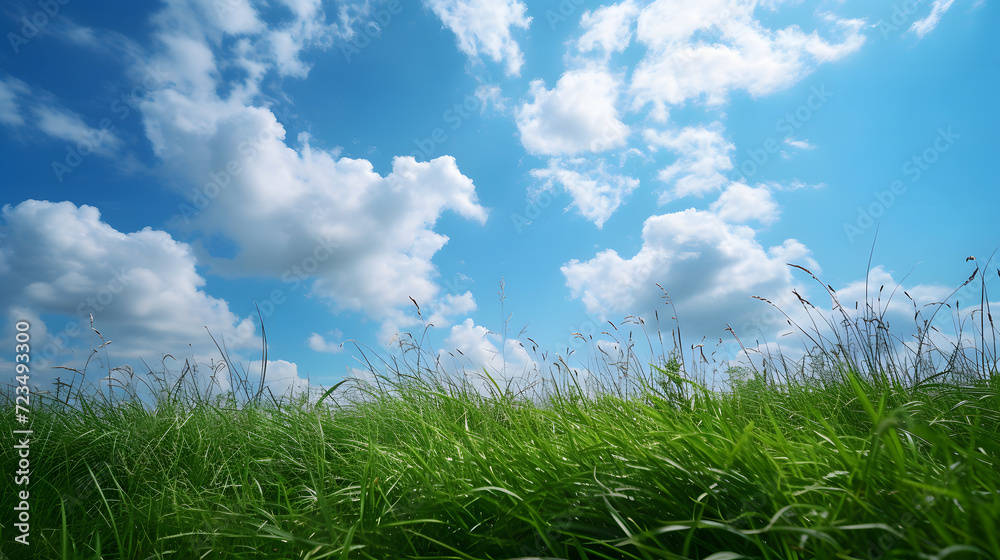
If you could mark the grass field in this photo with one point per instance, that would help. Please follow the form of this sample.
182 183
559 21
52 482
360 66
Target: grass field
853 453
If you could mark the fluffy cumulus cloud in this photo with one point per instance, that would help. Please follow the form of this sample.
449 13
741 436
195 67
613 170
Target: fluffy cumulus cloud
709 269
142 289
578 115
703 154
357 239
484 27
703 49
741 203
363 241
596 192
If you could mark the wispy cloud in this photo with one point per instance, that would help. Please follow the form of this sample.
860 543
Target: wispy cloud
924 26
24 106
800 144
596 192
484 26
10 109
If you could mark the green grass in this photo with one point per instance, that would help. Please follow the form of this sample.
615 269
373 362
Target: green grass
833 461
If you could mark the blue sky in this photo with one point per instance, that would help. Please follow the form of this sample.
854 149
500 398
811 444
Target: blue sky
168 167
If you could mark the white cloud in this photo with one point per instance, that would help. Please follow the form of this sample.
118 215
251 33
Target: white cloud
881 285
709 268
608 27
195 32
361 241
469 348
304 9
485 26
317 343
800 144
101 42
141 287
364 241
924 26
286 47
741 203
234 17
901 310
703 154
62 124
10 112
81 35
280 376
451 305
596 192
704 49
491 94
578 115
794 186
19 101
288 42
284 208
663 23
